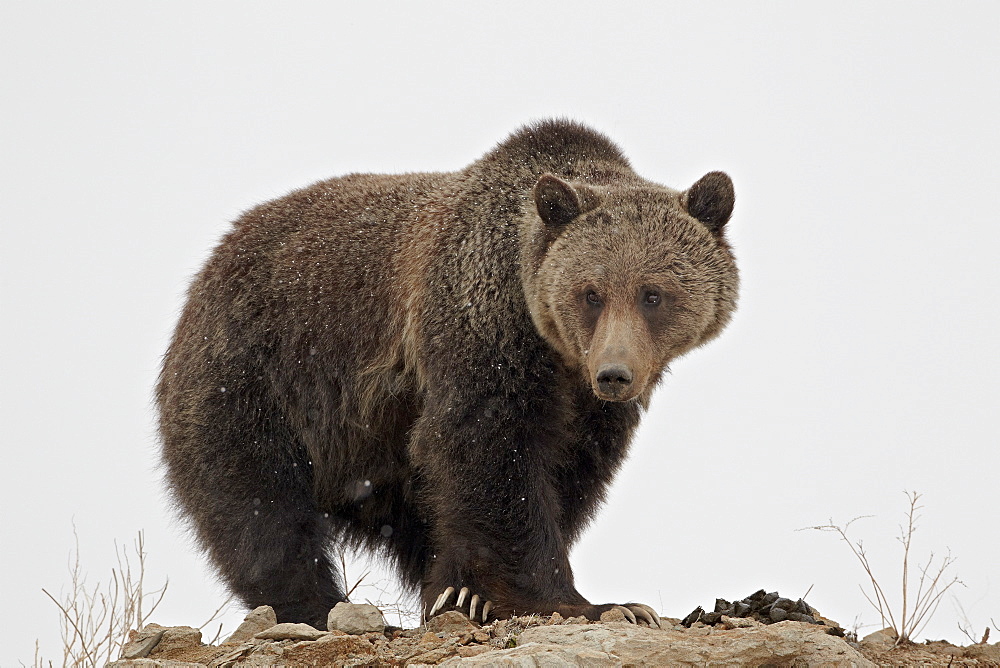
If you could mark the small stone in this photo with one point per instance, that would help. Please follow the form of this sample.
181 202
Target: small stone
577 620
785 604
356 618
800 617
695 616
613 615
739 622
433 656
259 619
474 650
721 605
778 614
289 631
452 621
429 638
835 627
556 618
143 642
741 609
178 637
886 636
481 636
231 657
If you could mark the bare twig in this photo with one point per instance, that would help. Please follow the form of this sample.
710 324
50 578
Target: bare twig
95 622
916 611
69 618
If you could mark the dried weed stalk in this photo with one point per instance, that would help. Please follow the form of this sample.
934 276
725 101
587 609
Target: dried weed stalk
966 626
95 621
916 609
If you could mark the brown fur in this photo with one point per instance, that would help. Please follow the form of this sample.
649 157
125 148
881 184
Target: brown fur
411 364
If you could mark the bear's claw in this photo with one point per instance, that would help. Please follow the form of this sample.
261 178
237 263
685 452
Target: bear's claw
442 602
634 612
629 615
643 612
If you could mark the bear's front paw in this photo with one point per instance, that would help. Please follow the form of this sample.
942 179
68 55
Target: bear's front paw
444 600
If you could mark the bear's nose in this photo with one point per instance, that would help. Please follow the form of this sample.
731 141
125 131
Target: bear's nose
613 379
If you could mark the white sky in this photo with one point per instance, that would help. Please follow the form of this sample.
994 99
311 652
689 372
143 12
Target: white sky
863 140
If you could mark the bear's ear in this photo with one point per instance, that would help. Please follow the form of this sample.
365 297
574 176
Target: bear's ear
557 202
711 200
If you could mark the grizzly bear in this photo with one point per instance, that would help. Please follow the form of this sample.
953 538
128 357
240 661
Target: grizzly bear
445 369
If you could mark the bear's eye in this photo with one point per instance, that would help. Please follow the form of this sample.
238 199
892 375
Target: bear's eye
652 298
593 298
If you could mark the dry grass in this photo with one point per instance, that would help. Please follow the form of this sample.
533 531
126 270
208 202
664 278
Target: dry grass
917 608
95 620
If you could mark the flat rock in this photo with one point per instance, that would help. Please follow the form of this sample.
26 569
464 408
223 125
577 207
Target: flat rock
781 643
259 619
143 642
355 618
532 655
153 663
289 631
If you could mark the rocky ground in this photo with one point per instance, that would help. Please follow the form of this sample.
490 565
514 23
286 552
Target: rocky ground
357 636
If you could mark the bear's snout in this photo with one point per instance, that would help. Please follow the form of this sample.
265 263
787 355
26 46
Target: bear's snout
614 382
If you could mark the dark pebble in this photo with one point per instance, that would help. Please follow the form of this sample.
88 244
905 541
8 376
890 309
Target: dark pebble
785 604
695 616
770 598
711 617
741 609
801 617
721 605
778 615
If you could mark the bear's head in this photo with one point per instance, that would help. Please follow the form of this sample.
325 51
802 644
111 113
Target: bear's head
622 279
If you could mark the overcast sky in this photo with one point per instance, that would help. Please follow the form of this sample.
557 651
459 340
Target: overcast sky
863 141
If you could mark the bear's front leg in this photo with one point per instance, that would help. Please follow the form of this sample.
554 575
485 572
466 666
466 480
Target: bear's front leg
494 510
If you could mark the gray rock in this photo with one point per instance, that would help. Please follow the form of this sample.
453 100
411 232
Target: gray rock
259 619
739 622
289 631
355 618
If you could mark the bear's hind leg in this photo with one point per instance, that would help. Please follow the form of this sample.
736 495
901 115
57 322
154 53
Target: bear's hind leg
280 557
250 506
